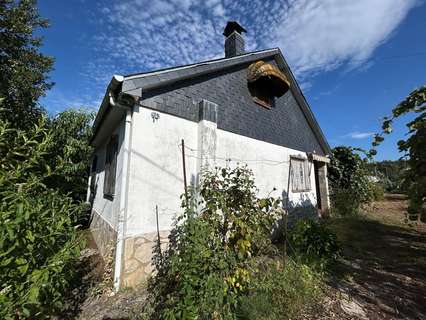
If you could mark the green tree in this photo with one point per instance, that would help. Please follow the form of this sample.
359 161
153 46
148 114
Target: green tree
414 147
70 152
23 69
348 180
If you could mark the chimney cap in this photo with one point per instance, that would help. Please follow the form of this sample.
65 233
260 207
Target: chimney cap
232 26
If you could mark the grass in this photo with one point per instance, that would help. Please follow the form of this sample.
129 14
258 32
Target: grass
384 261
281 292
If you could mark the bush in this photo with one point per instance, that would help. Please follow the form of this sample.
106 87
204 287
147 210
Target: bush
344 203
37 237
349 184
207 264
314 244
279 292
377 191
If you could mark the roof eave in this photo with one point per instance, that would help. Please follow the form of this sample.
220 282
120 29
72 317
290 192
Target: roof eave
113 86
305 105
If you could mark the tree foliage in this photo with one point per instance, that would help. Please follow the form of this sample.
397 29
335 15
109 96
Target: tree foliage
414 146
37 234
70 152
23 69
349 184
43 168
391 174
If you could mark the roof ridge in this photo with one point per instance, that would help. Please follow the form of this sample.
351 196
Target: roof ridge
158 71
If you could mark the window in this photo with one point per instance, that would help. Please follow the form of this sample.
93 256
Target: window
94 164
110 167
261 94
93 173
265 82
300 175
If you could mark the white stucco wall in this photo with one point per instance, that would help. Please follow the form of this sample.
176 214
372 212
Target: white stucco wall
270 164
108 208
156 176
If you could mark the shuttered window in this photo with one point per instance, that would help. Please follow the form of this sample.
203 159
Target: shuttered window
93 170
110 166
300 175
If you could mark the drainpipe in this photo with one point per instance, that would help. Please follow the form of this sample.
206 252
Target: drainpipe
119 251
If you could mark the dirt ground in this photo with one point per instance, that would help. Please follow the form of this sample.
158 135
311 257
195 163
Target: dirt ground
382 274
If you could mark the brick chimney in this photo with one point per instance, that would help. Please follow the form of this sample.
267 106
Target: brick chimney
234 41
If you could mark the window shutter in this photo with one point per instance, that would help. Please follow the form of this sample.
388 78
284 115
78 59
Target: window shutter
110 166
307 175
300 175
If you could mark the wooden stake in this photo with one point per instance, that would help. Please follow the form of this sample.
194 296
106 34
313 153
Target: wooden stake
285 218
158 229
184 171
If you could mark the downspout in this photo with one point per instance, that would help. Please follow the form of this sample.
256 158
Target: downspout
119 251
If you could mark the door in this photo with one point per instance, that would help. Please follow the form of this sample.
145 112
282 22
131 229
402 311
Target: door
317 185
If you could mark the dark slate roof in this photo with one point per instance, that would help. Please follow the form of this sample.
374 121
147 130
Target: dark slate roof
134 84
157 78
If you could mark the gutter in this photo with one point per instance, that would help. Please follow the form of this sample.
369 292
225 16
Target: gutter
122 215
114 85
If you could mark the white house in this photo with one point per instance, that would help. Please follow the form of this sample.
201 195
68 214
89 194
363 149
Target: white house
244 108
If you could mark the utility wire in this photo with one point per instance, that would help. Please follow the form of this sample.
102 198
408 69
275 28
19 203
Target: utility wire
265 161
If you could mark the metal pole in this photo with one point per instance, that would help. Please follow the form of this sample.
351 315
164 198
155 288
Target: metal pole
285 218
158 230
184 170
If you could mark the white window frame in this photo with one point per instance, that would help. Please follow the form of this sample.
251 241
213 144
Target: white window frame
300 174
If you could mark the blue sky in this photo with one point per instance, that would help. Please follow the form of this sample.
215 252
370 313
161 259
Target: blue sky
355 60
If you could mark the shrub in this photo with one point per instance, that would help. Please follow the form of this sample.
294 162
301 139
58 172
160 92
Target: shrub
37 237
314 243
207 264
377 191
344 203
279 292
349 184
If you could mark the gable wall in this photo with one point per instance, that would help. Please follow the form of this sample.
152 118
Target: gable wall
156 177
284 124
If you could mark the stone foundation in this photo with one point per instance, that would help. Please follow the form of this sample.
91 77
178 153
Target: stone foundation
138 252
104 235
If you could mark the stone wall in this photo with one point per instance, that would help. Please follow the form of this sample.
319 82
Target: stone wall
104 235
138 252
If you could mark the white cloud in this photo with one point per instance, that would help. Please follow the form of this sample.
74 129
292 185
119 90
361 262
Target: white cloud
318 35
358 135
314 35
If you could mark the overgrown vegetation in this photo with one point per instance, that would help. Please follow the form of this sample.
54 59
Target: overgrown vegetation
314 244
349 184
390 174
70 152
43 166
221 264
280 291
37 235
206 267
414 147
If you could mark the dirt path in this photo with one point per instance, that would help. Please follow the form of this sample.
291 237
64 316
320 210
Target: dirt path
383 273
